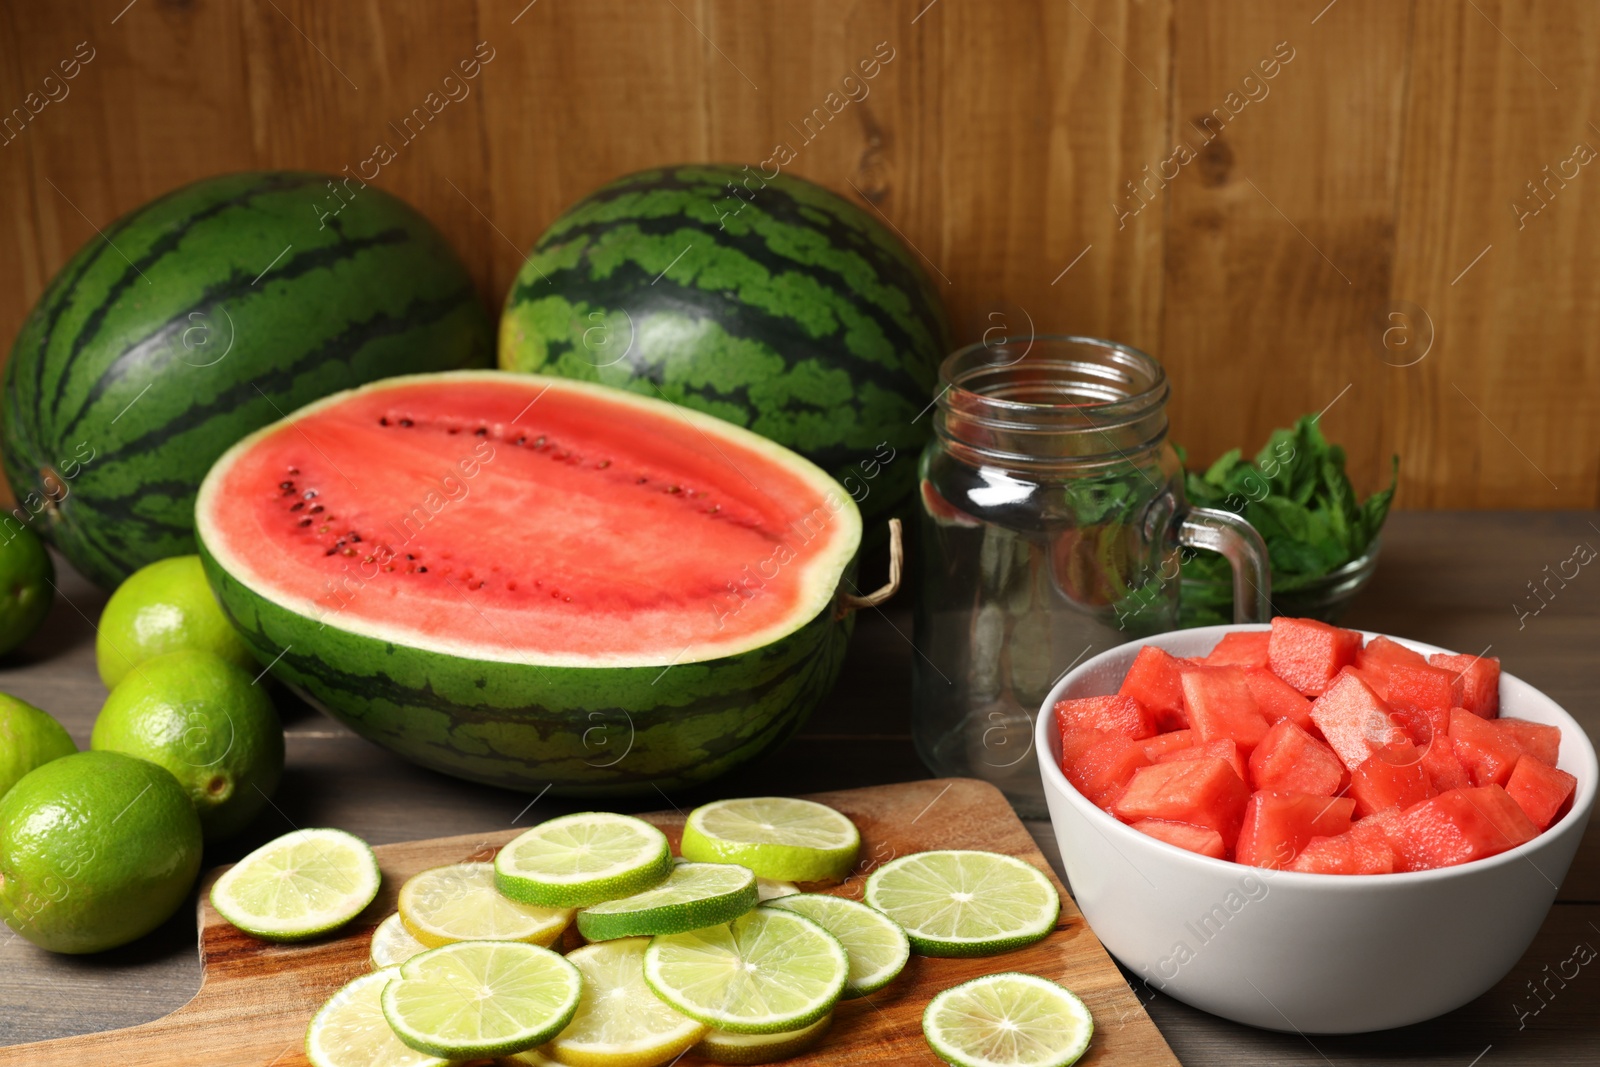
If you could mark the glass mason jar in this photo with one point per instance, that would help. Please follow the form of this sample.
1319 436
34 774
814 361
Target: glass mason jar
1052 520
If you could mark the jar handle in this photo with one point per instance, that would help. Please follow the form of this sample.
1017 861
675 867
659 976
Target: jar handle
849 602
1227 533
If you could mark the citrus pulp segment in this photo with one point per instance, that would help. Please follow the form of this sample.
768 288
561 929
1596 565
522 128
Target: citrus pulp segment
350 1030
302 884
1008 1020
577 860
460 903
961 903
620 1022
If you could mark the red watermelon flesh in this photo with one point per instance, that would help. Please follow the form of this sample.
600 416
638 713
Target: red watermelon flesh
1159 745
1099 762
1309 654
1382 651
1393 778
1278 825
1205 792
1290 760
1488 753
1222 749
1201 839
1346 853
1532 738
1152 680
1277 699
1244 648
1464 825
1420 696
1477 679
1120 714
1354 720
1445 771
1539 789
1221 706
557 523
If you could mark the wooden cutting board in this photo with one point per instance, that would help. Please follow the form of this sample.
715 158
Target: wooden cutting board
256 998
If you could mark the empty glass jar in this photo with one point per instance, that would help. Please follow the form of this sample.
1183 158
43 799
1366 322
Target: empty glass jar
1051 522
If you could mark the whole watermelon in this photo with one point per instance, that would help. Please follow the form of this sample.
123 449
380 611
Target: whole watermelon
201 317
769 302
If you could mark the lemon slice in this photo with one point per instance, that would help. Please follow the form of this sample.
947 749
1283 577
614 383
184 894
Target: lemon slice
695 895
477 999
302 884
957 903
767 972
877 947
350 1030
392 944
620 1022
583 859
780 838
460 903
719 1046
1008 1020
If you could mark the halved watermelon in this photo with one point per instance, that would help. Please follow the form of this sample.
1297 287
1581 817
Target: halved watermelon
533 581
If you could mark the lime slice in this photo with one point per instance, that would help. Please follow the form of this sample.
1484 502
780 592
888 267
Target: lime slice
476 999
583 859
695 895
777 837
720 1046
350 1030
620 1022
305 883
768 971
957 903
392 944
1008 1020
767 889
877 947
461 903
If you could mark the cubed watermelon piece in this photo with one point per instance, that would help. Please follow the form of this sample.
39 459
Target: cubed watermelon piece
1534 739
1387 828
1242 648
1120 714
1464 825
1477 679
1539 789
1384 651
1159 745
1445 771
1354 720
1201 839
1488 754
1222 748
1152 680
1277 699
1346 853
1419 696
1309 654
1221 706
1205 792
1393 778
1278 825
1290 760
1099 763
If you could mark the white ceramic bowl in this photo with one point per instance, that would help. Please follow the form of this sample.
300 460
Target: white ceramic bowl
1315 953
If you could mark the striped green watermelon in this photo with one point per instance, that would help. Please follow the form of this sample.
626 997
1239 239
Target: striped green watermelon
198 318
535 582
769 302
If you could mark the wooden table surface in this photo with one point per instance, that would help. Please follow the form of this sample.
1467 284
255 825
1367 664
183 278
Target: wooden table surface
1453 579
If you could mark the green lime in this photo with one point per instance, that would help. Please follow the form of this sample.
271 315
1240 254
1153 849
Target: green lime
620 1022
297 886
29 738
96 849
960 903
877 947
780 838
460 903
350 1030
768 971
203 719
478 999
695 895
1008 1020
161 608
27 586
577 860
720 1046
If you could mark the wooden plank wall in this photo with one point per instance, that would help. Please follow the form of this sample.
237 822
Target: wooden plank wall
1294 203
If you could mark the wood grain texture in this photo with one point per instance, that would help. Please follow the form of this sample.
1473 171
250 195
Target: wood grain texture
1330 230
256 998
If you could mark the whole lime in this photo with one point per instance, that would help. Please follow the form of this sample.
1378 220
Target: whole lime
29 738
27 585
96 849
161 608
204 720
